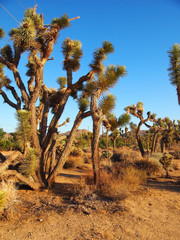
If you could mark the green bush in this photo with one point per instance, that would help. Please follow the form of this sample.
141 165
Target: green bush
6 145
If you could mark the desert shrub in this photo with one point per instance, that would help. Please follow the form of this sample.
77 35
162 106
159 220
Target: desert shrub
148 166
73 162
111 188
69 164
175 154
106 154
8 195
166 161
6 145
76 152
87 159
125 154
123 179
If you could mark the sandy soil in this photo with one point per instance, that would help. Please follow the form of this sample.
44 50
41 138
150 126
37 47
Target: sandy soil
152 213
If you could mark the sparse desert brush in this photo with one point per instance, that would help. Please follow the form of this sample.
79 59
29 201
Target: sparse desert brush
8 195
87 157
132 178
73 162
150 167
111 188
106 154
123 179
126 154
76 152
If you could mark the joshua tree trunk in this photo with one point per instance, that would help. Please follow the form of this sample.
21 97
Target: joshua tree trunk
107 139
97 116
95 150
67 149
139 139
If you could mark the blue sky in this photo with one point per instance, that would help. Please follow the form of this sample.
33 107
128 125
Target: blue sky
142 31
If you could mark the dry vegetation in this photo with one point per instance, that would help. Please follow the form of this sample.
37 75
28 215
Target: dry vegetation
133 201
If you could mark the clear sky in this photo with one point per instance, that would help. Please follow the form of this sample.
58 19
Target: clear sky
142 31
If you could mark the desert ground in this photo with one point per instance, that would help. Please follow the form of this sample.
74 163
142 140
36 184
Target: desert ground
150 213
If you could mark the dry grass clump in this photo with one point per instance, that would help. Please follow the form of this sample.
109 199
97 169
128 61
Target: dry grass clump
149 167
8 195
121 181
125 154
76 152
75 162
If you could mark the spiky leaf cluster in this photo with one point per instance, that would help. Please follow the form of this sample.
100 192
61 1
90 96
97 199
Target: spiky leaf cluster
83 104
7 53
61 22
23 130
37 19
62 81
72 52
2 33
113 122
1 71
166 160
123 119
174 69
4 81
31 65
100 55
89 88
30 163
24 37
107 103
111 76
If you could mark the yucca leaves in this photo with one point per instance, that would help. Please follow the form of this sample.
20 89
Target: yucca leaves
107 103
23 130
2 33
72 52
62 22
123 119
100 55
62 81
174 69
7 53
31 65
30 163
111 76
83 104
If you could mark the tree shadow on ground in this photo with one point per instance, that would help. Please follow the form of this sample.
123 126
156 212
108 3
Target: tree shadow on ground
170 184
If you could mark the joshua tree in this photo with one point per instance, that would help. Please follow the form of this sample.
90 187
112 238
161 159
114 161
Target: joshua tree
137 111
105 79
174 69
166 161
115 123
37 39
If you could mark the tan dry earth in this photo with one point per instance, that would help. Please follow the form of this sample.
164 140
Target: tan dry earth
152 213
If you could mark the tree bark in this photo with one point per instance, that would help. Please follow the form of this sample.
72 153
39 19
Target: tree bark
67 148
